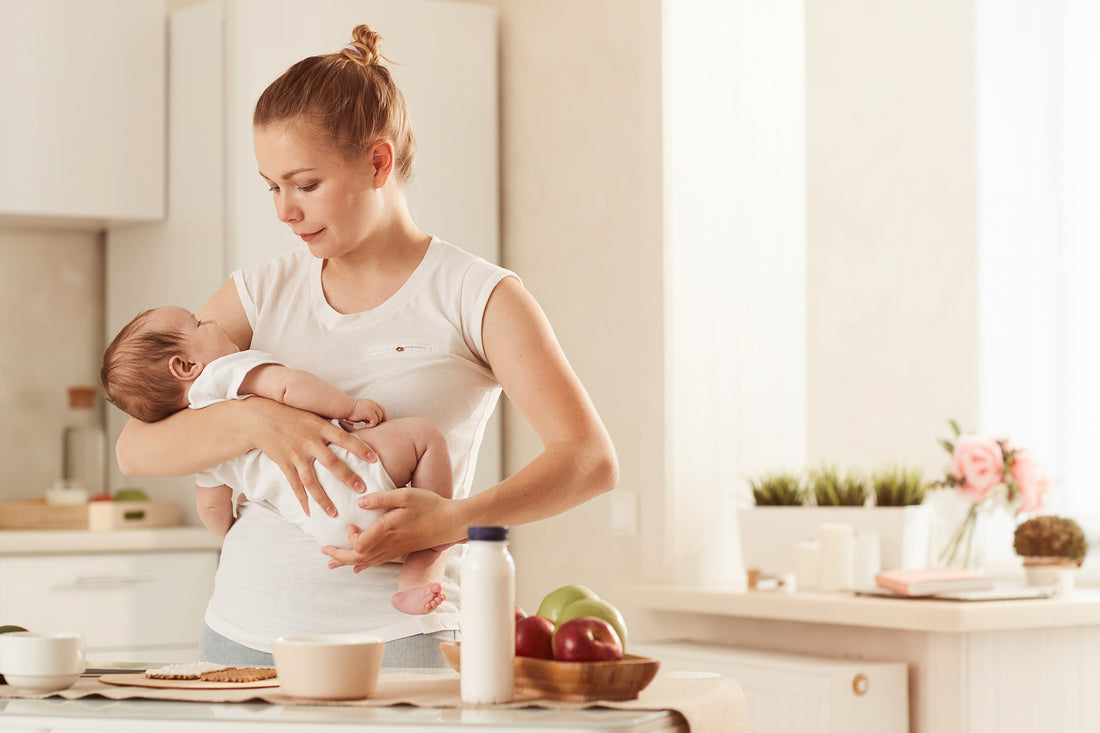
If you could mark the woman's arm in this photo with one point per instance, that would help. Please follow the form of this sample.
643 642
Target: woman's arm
195 440
577 462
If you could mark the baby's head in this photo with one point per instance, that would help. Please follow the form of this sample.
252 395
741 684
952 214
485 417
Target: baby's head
152 362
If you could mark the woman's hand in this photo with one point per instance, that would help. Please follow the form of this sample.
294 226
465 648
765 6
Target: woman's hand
417 519
294 439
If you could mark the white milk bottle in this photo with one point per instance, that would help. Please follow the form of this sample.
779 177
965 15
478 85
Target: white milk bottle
488 617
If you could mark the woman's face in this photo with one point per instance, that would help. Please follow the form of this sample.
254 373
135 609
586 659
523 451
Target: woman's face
328 201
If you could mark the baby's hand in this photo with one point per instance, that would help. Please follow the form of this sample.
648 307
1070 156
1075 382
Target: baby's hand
367 411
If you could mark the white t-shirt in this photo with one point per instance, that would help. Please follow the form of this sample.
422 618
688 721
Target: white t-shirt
259 479
418 354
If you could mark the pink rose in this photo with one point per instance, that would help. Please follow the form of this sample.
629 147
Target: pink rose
979 465
1031 481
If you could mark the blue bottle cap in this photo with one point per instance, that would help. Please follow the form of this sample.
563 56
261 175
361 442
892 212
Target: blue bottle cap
487 534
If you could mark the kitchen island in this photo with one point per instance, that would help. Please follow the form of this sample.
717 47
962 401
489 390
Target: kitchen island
406 700
1006 666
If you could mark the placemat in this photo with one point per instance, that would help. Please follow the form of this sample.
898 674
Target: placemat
708 704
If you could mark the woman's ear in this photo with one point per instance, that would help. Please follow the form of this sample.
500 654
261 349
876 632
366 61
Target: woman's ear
380 159
183 369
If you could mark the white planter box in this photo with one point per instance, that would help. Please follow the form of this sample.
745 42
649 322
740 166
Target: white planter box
769 533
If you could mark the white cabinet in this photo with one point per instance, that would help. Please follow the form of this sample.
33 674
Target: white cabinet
132 606
222 54
82 118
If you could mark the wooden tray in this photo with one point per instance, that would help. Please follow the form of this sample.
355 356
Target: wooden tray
37 514
140 680
574 681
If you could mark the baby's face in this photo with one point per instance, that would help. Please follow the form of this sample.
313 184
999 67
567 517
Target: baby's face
206 339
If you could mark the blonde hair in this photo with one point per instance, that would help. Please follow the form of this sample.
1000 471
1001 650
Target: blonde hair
135 373
349 96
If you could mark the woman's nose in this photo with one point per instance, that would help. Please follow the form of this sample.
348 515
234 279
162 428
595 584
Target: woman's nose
287 210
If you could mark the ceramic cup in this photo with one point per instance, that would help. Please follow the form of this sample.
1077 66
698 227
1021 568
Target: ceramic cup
35 661
328 667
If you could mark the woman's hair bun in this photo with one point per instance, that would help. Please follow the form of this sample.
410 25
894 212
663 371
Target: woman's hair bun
364 46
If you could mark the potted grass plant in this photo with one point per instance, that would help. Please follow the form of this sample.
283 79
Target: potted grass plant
790 506
1052 548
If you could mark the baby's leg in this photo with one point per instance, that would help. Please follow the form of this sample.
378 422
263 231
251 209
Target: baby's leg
418 588
413 451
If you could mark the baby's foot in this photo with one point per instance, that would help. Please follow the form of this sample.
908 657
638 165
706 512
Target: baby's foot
420 600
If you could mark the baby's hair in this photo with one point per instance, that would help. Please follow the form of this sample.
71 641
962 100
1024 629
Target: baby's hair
135 373
349 96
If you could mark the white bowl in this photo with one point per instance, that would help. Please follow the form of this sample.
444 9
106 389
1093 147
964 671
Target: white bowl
328 667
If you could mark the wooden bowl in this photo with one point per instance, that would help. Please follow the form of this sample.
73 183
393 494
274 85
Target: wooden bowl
574 681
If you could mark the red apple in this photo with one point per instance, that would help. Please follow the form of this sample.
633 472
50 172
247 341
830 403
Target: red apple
587 639
520 613
534 635
101 496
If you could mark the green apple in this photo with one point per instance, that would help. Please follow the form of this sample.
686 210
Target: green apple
552 605
131 494
594 607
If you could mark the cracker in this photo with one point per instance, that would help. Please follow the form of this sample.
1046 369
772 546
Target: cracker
238 674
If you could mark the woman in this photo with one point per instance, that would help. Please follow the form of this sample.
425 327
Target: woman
383 310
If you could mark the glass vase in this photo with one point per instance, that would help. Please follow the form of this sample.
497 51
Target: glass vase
967 546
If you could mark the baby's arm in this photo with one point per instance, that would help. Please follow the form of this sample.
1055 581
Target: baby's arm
306 391
215 505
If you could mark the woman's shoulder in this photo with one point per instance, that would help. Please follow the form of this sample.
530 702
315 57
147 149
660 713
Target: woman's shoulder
454 263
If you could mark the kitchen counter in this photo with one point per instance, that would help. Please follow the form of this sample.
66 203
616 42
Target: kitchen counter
1010 666
1082 607
68 541
406 700
166 717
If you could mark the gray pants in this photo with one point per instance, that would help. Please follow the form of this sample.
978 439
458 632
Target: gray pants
412 652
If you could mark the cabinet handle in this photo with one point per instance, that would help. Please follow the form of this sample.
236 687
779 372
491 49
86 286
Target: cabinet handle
99 582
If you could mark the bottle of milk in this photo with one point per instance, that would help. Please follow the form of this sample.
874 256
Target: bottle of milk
488 617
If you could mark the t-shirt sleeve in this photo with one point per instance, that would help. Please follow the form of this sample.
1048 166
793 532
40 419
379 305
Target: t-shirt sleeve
221 379
480 279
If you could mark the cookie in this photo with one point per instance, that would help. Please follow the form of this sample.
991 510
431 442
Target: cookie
238 674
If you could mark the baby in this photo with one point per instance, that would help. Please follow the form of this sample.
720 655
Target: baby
166 360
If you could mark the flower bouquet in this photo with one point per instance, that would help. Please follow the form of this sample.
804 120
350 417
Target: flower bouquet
988 473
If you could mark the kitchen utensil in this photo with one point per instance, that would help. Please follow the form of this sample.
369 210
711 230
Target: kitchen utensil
328 667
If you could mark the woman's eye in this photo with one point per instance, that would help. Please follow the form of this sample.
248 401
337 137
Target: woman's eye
273 189
308 188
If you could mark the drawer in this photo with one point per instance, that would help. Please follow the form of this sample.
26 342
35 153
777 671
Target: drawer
117 600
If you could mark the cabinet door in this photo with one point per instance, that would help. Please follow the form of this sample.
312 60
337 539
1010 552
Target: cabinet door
124 601
82 118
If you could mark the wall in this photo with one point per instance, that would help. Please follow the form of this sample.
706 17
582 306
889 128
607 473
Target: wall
891 230
51 332
581 200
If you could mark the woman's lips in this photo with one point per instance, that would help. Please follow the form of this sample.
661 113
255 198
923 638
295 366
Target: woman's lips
310 237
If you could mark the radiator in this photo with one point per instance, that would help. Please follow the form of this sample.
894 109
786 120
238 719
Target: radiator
789 693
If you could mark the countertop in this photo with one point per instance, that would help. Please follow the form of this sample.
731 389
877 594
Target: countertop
144 715
1081 607
66 541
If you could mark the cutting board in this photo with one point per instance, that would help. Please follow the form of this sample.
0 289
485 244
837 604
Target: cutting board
140 680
